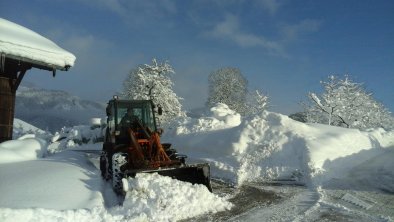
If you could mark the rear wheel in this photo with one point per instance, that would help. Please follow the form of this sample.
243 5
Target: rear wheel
118 160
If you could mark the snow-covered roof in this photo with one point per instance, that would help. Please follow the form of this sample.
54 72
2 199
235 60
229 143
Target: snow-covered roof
20 43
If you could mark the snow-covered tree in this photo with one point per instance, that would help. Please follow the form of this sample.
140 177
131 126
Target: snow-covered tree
346 103
154 82
257 102
228 86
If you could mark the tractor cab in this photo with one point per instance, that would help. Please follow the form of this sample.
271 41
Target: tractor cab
138 115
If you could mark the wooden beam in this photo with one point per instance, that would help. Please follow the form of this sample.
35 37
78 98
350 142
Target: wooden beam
19 78
7 107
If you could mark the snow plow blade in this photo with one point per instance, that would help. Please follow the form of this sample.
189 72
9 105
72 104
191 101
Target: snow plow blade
195 174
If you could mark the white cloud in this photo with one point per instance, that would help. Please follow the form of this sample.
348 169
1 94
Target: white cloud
136 11
78 41
229 29
292 32
271 6
89 44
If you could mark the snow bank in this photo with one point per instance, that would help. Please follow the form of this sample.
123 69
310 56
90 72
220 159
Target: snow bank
159 198
367 170
74 137
25 148
221 117
61 182
22 128
227 117
19 42
48 215
258 148
64 188
77 137
271 146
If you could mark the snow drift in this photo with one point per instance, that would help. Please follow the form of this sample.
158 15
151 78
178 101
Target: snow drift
271 146
60 182
25 148
221 117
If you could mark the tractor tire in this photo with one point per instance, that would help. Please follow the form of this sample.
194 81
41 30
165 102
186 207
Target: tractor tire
118 160
105 166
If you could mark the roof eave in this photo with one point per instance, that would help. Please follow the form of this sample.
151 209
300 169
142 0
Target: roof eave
39 64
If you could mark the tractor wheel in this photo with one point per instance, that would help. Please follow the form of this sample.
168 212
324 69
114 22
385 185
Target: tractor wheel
105 167
118 160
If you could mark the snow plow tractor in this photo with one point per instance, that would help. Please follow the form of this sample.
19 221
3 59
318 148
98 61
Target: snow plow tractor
132 145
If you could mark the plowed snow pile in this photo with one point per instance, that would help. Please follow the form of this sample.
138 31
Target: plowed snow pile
271 146
25 148
158 198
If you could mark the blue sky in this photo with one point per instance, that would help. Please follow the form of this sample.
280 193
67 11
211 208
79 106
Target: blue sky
284 48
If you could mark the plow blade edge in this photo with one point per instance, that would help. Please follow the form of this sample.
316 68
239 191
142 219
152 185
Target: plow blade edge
195 174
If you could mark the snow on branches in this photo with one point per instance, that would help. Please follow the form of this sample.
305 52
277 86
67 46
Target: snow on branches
347 104
257 102
153 81
228 86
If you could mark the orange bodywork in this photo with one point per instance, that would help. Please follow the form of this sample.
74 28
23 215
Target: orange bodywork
147 153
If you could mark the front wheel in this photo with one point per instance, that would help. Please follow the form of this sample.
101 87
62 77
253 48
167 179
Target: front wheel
105 167
118 160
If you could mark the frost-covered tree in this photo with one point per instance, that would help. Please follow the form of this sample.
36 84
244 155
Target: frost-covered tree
153 81
347 104
257 102
228 86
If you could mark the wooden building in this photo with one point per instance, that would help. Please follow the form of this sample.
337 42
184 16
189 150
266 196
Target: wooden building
22 49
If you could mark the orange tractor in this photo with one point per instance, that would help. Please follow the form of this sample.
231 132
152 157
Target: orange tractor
132 145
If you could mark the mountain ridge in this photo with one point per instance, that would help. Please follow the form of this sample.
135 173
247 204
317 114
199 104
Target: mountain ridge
53 109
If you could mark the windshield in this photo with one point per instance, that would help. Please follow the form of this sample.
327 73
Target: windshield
141 110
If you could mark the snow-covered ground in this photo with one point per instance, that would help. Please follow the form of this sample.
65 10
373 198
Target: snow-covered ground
345 174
